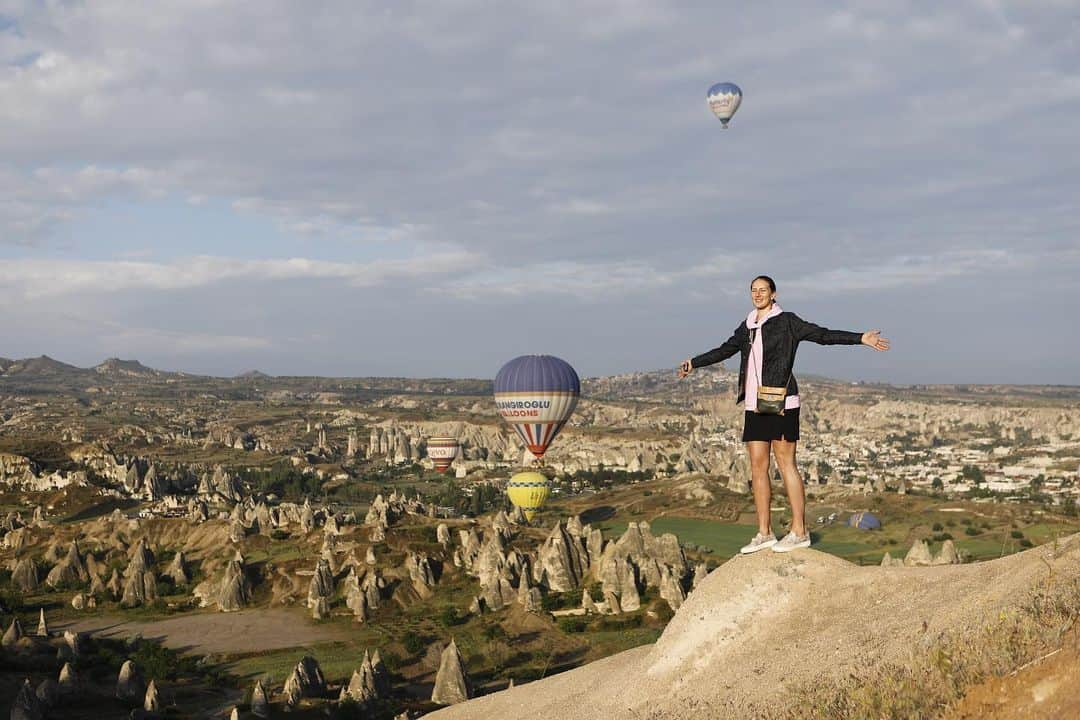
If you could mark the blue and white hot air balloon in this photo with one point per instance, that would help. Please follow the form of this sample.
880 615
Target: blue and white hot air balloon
724 99
536 394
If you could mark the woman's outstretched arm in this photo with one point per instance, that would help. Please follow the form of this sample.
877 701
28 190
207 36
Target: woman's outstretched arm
824 336
729 348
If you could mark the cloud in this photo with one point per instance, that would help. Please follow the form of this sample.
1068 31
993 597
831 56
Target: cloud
33 279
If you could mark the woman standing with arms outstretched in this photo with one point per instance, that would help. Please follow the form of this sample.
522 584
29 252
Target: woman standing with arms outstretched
768 341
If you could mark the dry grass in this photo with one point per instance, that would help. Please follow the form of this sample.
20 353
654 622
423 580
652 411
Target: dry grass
937 678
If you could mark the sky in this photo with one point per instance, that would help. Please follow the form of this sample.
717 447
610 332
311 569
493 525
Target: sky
430 189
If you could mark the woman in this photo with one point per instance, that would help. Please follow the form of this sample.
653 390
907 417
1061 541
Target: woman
768 341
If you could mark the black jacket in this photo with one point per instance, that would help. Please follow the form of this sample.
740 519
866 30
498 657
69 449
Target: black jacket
780 338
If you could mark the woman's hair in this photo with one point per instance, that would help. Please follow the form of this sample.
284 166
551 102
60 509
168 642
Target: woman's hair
766 278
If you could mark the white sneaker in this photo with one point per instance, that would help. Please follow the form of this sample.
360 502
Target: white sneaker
760 542
791 541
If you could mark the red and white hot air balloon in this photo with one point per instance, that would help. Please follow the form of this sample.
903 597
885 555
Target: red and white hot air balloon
442 451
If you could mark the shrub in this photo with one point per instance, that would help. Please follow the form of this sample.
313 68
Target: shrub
938 527
448 616
279 534
572 624
1025 543
1016 534
942 537
413 642
972 530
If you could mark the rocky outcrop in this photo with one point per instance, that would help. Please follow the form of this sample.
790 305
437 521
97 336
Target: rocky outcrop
140 583
948 554
177 570
362 687
418 565
306 680
452 685
562 560
25 577
69 571
69 680
321 585
919 554
26 705
152 701
671 589
442 534
260 704
13 634
42 625
129 684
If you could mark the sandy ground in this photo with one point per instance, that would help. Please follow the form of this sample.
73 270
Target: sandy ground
1047 690
203 633
760 626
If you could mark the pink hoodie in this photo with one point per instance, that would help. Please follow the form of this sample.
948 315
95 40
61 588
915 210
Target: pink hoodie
757 352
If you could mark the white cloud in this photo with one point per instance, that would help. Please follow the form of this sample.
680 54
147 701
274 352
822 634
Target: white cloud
33 279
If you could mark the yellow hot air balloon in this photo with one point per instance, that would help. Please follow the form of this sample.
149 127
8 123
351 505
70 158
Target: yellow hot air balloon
528 491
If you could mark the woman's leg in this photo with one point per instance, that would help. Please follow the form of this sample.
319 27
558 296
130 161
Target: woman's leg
759 481
784 452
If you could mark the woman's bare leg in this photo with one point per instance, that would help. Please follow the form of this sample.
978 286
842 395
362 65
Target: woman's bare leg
784 452
759 482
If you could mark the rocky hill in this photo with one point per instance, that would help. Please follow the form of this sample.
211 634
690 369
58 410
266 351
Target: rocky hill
126 368
763 633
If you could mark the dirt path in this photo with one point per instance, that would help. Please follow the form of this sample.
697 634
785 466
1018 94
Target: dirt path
761 626
202 633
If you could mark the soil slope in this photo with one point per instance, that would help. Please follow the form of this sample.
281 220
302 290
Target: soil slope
761 625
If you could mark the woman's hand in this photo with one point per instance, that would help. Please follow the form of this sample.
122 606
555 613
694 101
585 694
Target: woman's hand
685 368
873 339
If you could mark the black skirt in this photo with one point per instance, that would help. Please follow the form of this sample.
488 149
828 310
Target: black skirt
771 427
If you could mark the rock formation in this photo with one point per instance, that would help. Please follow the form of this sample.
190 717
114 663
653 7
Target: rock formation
177 569
13 634
306 680
919 554
42 625
140 584
25 577
69 571
948 554
129 684
151 701
69 680
260 705
451 683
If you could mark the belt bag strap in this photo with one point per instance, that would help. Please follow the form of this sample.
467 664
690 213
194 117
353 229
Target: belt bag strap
770 400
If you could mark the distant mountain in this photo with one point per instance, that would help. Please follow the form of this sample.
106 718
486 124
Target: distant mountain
253 375
40 366
126 368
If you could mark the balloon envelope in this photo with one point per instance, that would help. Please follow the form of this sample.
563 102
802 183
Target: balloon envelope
528 491
442 451
536 394
864 521
724 99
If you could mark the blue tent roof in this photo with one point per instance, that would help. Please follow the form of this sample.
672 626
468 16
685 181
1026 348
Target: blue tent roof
864 521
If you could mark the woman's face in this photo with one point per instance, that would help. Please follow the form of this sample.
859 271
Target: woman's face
761 294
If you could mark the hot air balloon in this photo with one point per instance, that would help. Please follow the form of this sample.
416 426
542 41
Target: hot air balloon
724 99
536 394
442 451
528 491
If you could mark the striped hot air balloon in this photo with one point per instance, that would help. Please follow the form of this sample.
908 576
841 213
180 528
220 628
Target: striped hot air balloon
724 99
442 451
528 491
536 394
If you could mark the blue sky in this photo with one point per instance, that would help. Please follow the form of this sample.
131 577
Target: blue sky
360 189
